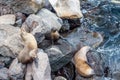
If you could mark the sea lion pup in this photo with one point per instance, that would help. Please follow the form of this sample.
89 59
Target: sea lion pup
80 61
54 35
30 47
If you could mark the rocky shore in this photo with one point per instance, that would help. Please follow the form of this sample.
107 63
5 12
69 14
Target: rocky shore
75 21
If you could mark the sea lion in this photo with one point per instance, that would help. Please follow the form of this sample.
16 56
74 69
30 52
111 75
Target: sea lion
52 35
80 61
30 47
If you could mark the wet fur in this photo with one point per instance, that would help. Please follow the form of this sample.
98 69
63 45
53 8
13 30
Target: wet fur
81 65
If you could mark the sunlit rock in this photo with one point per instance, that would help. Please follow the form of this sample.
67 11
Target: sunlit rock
67 8
7 19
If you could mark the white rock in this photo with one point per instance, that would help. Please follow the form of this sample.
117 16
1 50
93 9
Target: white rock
43 70
7 19
67 8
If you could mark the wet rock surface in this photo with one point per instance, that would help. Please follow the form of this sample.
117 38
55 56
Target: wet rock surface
59 54
83 36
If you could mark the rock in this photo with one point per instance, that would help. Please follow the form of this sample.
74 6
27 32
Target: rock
4 74
10 41
42 23
5 60
59 54
37 70
60 78
28 75
67 8
1 64
82 36
96 61
68 71
54 21
48 5
5 9
24 6
16 69
7 19
42 70
20 18
65 26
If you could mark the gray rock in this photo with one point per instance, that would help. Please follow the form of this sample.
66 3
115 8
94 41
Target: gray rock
37 70
7 19
1 64
5 60
5 9
67 8
10 41
82 36
20 18
43 70
65 26
48 5
60 78
42 23
4 74
96 62
68 71
59 54
16 70
52 19
24 6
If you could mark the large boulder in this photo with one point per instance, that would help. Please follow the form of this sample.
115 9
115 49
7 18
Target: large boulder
24 6
67 8
59 54
10 41
41 70
83 36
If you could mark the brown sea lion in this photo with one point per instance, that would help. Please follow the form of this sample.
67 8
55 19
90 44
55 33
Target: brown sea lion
80 61
30 47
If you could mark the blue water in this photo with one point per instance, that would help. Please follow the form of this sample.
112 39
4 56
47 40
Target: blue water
106 20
